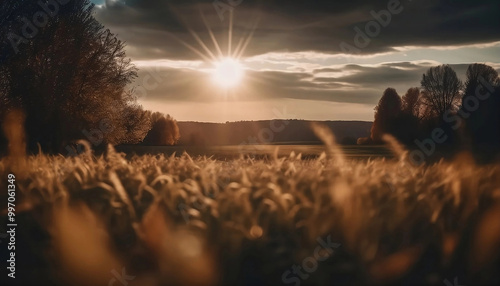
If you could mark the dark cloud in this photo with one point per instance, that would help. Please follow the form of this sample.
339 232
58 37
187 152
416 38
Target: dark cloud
155 28
324 70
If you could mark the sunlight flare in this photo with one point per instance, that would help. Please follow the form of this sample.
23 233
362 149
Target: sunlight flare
228 73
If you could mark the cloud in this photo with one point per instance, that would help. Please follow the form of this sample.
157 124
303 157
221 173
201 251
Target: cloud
156 29
294 53
352 83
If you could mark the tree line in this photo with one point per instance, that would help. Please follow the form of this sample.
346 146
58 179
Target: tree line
70 76
466 113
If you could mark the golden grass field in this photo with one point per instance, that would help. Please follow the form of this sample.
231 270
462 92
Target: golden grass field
167 220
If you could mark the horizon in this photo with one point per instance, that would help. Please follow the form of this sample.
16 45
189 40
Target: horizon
311 65
273 119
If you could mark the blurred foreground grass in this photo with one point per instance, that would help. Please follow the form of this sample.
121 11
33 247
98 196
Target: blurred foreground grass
87 220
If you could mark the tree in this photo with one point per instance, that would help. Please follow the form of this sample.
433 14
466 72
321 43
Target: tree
164 130
441 90
476 75
66 71
386 113
137 124
482 128
412 103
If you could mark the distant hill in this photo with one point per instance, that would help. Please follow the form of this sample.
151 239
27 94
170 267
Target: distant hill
267 132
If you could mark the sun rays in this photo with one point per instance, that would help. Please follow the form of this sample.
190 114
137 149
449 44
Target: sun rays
226 68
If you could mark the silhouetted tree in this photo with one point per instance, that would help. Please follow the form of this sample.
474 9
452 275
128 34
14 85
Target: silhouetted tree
66 71
419 113
164 130
441 90
481 110
386 113
477 75
412 102
408 123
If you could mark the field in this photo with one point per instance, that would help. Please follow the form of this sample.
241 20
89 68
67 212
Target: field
182 219
260 151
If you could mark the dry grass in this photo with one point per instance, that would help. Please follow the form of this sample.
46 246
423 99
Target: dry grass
182 220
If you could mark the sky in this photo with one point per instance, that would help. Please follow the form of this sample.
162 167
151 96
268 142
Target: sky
231 60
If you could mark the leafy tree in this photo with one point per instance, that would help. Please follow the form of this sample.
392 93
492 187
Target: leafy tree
386 113
477 74
137 124
412 102
408 122
441 90
164 130
66 71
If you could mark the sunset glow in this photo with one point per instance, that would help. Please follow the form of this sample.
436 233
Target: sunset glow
237 142
228 73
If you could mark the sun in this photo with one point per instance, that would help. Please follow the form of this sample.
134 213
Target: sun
228 73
